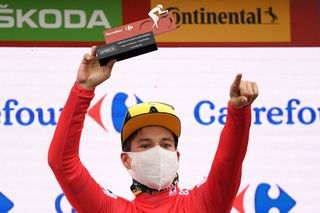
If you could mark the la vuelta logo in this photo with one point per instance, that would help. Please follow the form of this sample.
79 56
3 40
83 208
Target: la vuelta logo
263 202
117 109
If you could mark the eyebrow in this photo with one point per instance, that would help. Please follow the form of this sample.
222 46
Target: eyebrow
141 140
167 139
144 140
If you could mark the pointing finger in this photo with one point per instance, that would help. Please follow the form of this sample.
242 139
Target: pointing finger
237 81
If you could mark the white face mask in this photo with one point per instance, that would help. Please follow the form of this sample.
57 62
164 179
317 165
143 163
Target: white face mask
155 167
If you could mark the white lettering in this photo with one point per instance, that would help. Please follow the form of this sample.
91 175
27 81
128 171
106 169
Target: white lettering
51 18
25 18
74 13
114 32
57 20
6 21
94 20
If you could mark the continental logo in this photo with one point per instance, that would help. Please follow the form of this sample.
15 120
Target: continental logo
228 21
241 17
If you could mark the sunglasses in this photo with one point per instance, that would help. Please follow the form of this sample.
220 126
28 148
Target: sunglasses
150 107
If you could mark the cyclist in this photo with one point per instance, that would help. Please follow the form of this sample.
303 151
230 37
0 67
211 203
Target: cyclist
149 140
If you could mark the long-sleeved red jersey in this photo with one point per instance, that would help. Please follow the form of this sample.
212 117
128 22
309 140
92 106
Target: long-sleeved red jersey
216 194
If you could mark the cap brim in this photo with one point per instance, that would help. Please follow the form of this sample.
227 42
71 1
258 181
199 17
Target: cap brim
165 120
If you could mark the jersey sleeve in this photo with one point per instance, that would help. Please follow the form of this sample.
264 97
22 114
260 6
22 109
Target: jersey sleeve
81 190
218 192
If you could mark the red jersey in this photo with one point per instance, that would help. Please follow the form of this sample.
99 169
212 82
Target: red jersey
216 194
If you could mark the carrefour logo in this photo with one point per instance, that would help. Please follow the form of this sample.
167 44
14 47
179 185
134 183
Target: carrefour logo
5 203
291 113
206 112
118 110
14 113
62 205
263 202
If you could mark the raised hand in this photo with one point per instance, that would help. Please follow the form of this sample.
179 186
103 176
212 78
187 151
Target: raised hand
242 93
90 73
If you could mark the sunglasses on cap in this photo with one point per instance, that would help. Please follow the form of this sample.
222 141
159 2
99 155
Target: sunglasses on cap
149 107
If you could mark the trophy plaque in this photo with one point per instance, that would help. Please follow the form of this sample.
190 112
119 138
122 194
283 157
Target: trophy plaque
135 38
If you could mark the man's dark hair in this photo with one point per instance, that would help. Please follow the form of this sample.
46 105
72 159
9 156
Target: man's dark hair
127 143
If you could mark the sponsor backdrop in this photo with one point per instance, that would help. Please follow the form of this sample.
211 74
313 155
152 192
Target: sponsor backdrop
281 171
200 23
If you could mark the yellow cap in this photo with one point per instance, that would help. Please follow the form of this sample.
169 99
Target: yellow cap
150 114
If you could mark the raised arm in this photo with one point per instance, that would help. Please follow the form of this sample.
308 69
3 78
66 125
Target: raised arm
218 192
84 194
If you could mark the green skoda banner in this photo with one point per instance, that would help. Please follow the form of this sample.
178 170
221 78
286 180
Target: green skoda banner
57 21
